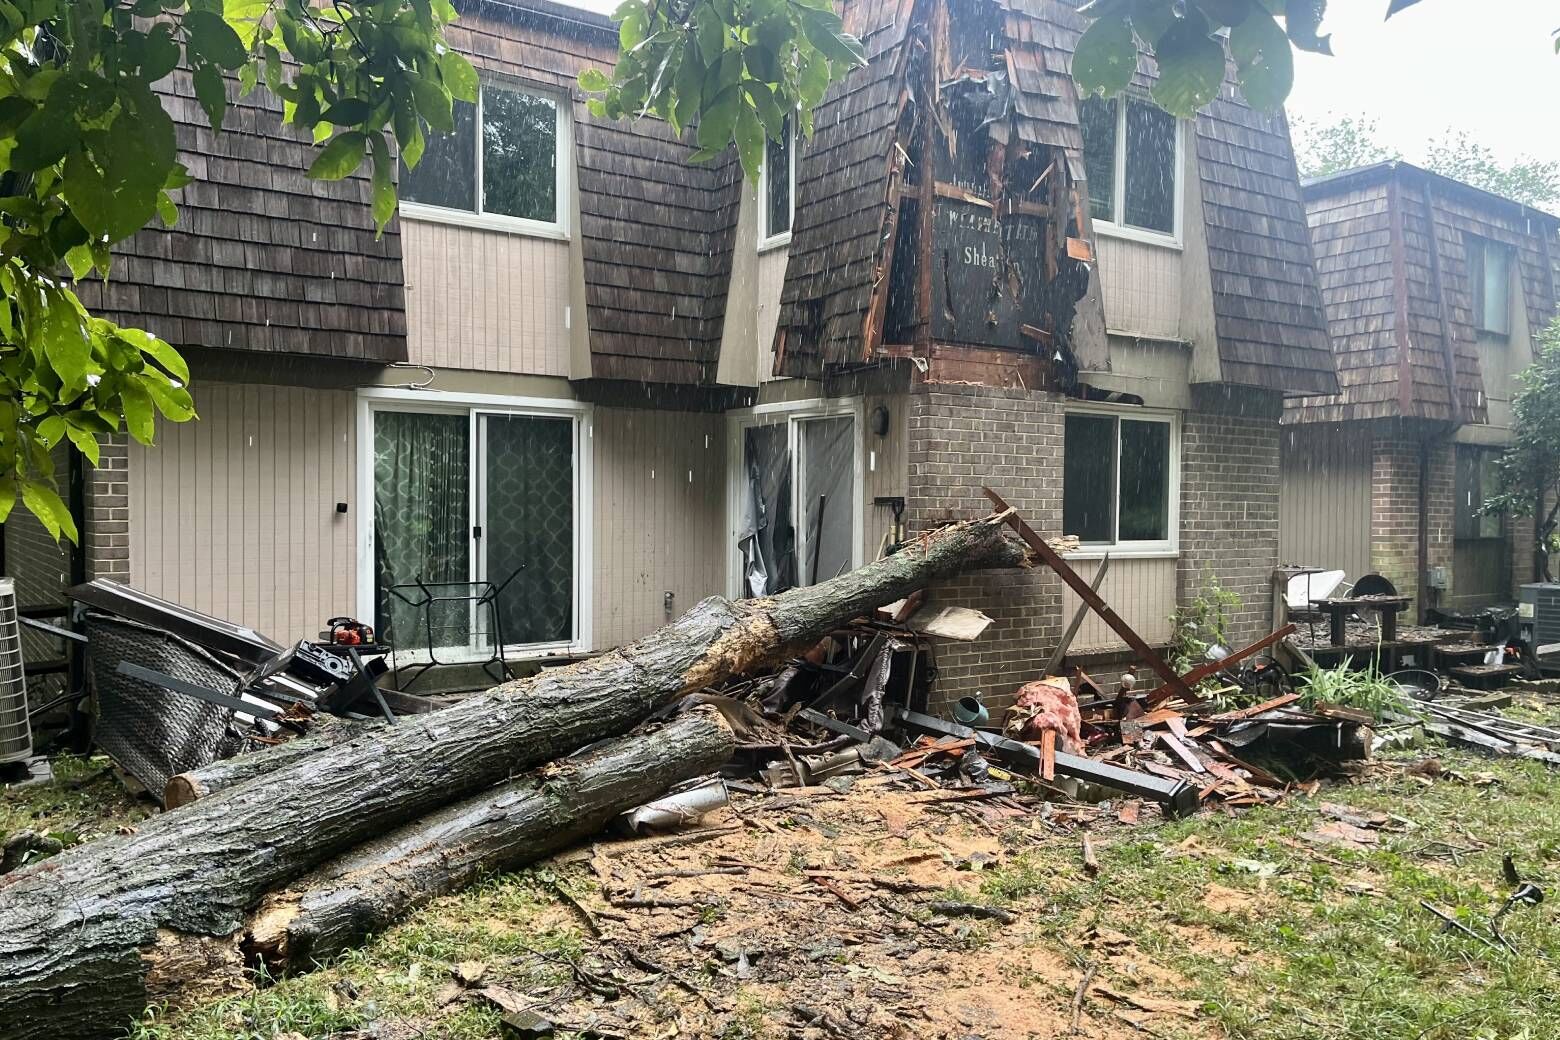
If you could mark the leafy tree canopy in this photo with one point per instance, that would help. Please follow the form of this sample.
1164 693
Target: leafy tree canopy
737 68
1528 471
88 157
1343 144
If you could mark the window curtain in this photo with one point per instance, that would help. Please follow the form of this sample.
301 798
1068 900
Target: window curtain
422 529
529 536
767 539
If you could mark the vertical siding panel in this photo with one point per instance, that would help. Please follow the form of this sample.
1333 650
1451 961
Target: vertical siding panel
485 300
1325 498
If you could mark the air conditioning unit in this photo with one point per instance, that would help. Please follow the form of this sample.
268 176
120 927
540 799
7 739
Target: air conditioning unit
15 731
1538 615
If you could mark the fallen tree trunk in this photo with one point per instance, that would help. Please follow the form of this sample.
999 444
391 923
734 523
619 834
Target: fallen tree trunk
339 904
89 937
328 731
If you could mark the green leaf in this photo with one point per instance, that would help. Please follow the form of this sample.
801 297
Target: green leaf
348 112
1302 19
211 93
1264 63
593 81
1191 67
459 76
824 31
85 441
718 119
7 496
383 183
79 260
750 141
167 210
173 401
343 155
158 350
137 404
45 503
51 430
208 35
710 31
161 54
433 102
65 340
1106 57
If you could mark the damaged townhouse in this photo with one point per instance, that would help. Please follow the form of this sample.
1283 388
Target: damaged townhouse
1435 291
611 382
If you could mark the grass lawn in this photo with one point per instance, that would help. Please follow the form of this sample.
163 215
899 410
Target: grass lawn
1222 925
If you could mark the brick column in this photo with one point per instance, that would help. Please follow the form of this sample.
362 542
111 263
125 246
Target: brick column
960 438
1229 502
106 539
1395 506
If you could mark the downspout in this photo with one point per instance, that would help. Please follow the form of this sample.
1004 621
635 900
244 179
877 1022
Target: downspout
1424 529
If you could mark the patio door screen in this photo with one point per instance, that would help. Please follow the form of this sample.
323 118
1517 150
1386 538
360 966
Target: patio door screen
795 501
471 496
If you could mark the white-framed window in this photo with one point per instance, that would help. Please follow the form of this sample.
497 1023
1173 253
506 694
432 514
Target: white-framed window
504 166
1132 161
1489 276
777 189
462 489
1121 479
795 483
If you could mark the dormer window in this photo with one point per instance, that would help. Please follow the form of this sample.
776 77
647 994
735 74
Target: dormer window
1132 159
777 189
1489 275
508 177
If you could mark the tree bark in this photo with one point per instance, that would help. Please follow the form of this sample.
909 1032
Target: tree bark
339 904
195 784
80 933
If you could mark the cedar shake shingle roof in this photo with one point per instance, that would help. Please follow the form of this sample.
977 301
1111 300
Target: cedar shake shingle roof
262 258
1270 322
1389 285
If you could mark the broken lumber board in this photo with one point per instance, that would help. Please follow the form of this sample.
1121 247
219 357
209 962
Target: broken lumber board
342 902
1202 671
90 937
1281 701
1053 559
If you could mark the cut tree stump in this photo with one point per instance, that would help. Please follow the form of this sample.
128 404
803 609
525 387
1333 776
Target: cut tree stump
339 904
85 936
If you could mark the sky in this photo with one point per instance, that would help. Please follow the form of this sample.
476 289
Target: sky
1485 69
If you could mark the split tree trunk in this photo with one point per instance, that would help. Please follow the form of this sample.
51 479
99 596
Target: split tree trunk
85 937
341 903
328 731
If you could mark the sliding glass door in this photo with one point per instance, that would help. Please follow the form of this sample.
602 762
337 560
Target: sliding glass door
795 497
468 496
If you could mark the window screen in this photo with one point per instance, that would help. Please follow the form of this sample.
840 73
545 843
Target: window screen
519 154
1145 481
777 177
1492 287
1089 478
515 159
446 175
1150 168
1097 120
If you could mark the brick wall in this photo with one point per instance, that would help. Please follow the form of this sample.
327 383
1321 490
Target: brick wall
107 537
960 438
1395 506
1229 502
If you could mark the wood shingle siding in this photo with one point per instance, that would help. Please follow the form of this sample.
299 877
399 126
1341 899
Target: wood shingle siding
1399 301
262 258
